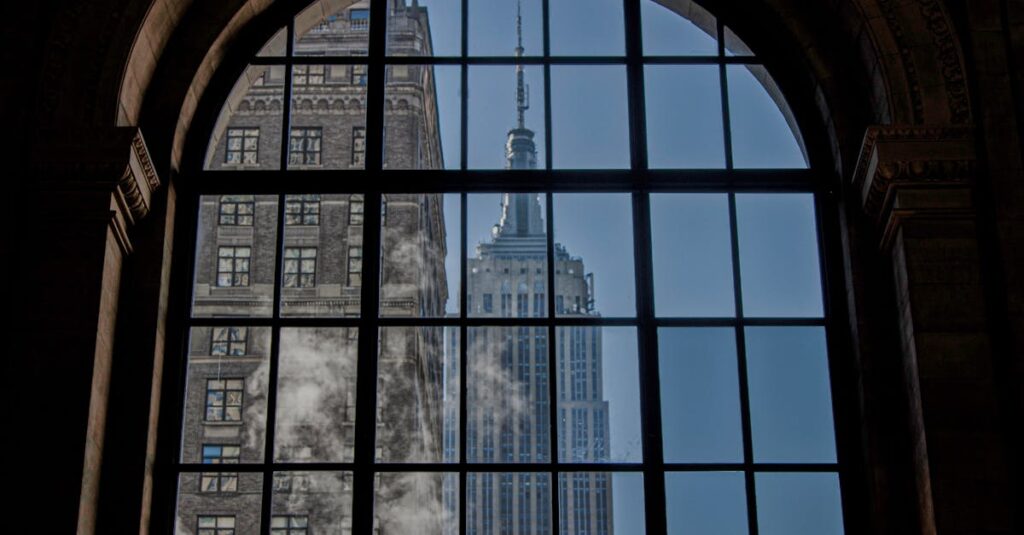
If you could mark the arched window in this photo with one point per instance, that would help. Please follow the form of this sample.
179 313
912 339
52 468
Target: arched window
634 157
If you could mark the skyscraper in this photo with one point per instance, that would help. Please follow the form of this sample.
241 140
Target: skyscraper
508 394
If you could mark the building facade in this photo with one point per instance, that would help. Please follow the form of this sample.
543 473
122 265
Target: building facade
237 259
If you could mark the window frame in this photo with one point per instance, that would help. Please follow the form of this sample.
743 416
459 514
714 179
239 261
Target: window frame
638 180
242 133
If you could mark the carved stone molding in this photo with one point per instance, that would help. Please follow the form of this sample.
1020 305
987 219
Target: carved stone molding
904 171
936 21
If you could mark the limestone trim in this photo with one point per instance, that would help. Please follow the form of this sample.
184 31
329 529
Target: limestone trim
914 171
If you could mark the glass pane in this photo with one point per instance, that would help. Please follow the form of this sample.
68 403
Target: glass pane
699 503
235 256
594 255
311 502
679 28
422 117
692 255
316 395
420 259
734 46
790 396
507 255
434 28
508 418
506 128
601 502
513 502
492 27
684 117
418 394
276 46
226 395
422 503
333 28
204 513
778 244
799 504
323 244
598 395
328 117
589 117
586 28
700 398
764 131
247 134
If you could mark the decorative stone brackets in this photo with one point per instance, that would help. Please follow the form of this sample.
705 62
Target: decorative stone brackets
110 161
915 171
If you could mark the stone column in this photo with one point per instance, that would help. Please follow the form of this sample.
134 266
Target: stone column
89 186
916 183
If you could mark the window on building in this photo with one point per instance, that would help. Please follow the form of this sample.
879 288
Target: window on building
215 525
692 368
219 481
236 210
289 525
308 75
355 210
355 266
304 148
229 341
302 209
224 400
299 267
358 146
233 266
243 146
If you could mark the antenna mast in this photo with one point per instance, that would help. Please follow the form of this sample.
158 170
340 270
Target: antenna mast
522 90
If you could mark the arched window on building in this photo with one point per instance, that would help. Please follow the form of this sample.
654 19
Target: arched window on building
631 168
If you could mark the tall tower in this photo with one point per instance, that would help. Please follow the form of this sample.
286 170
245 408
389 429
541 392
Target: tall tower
508 402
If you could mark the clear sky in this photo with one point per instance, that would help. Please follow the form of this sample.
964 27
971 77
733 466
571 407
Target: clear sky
693 263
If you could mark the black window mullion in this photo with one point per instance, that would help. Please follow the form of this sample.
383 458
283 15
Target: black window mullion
366 373
635 84
275 349
741 368
463 362
552 346
650 387
724 85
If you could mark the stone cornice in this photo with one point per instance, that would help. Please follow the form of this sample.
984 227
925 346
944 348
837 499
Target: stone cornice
907 172
892 156
99 158
110 164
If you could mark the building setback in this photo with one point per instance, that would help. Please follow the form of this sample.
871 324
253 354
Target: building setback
508 411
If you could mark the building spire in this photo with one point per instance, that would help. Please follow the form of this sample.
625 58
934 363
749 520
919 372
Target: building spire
522 90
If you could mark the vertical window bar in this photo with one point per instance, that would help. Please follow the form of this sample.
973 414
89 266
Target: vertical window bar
724 84
464 101
741 367
552 344
650 388
548 158
275 332
463 337
635 85
366 368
